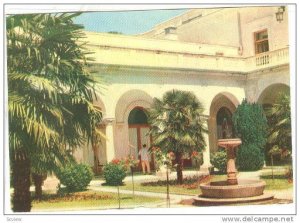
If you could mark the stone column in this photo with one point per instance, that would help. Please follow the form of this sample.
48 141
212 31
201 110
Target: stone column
231 170
206 154
213 137
109 132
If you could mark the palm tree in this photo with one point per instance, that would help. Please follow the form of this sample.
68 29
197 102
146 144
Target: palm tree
177 125
49 95
279 115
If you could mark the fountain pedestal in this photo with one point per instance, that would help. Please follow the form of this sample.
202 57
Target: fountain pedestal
230 145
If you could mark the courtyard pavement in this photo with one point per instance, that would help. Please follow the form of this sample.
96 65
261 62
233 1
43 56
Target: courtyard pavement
96 185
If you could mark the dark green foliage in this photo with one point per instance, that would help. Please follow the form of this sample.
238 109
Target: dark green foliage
250 157
279 115
280 131
114 174
219 160
251 126
75 177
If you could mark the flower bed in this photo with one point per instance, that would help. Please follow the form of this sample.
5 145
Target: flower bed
188 182
79 196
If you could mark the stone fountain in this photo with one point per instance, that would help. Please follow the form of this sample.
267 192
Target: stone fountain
232 190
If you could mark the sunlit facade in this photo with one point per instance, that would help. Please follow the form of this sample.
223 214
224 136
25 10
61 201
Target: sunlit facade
222 55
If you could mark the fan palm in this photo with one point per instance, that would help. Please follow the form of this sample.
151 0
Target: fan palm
279 115
49 96
177 125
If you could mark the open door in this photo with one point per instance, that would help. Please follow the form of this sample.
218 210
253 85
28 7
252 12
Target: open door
139 132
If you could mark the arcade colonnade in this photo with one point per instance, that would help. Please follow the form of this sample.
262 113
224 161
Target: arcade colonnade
126 129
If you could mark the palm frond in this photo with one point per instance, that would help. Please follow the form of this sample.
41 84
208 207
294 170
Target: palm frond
177 122
50 90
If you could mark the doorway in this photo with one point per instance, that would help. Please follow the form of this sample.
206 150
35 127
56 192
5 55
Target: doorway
139 133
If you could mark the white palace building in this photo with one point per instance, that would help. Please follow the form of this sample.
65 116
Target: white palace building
222 55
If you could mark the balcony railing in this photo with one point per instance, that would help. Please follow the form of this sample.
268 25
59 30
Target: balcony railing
268 59
138 53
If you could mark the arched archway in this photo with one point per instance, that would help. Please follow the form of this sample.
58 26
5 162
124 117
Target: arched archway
267 98
130 100
270 94
220 124
129 119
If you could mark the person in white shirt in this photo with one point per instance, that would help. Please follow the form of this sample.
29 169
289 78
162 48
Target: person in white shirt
145 159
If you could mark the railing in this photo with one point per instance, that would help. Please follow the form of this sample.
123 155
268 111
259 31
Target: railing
268 59
262 60
181 60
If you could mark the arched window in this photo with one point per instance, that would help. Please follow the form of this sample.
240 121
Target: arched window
137 116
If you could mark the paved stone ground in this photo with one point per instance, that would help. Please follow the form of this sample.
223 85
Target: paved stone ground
282 196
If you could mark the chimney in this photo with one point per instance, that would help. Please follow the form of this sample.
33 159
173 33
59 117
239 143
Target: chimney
171 33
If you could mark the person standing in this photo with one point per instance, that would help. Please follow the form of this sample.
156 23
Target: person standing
145 159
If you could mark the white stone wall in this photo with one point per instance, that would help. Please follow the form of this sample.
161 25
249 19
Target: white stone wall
260 19
220 26
134 70
258 81
127 88
144 85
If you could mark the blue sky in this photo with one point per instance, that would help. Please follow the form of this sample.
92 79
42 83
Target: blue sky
130 22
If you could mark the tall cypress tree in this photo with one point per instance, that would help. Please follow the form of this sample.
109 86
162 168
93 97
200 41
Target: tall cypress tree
250 124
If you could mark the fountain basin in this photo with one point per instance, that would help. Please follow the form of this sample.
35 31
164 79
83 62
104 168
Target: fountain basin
244 188
231 143
231 191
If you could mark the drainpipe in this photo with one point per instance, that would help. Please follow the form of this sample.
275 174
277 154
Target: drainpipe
240 34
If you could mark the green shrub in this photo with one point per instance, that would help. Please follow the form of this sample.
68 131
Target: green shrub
219 160
75 177
251 126
114 173
250 157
